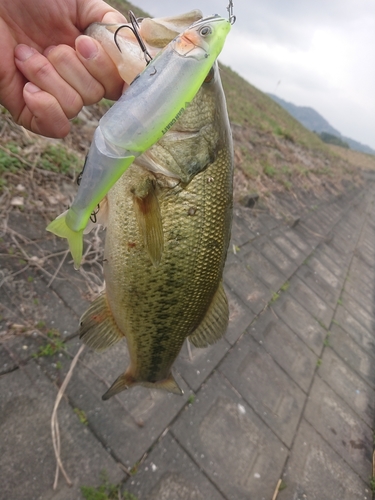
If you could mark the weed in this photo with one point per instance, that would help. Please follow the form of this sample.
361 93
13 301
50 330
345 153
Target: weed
321 323
55 345
191 399
285 286
269 170
372 484
275 296
58 365
58 159
30 279
105 491
287 184
282 486
81 415
319 362
339 302
335 322
41 324
326 340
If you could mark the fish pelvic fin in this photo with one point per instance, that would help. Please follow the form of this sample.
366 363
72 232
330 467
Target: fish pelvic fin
147 211
126 380
215 322
98 328
60 228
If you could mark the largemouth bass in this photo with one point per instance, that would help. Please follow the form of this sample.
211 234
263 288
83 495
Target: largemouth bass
142 115
168 229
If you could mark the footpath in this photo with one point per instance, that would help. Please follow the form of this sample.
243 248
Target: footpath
281 408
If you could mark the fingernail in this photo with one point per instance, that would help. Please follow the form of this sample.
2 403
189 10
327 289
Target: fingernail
30 87
23 52
86 47
48 50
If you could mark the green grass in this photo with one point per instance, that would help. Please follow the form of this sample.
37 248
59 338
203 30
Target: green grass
52 347
106 491
58 159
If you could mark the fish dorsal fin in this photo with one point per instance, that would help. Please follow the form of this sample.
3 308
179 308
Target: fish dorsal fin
147 211
215 322
98 329
126 380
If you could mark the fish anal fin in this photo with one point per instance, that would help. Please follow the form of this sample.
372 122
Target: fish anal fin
214 324
98 328
126 380
147 211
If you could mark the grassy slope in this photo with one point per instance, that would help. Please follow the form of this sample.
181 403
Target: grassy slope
273 152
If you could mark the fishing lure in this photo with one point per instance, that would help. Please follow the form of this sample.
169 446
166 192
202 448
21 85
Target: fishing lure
143 114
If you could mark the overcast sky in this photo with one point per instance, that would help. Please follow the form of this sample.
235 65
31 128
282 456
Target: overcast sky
317 53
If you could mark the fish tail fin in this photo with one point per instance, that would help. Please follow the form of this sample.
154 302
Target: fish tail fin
60 228
98 328
126 380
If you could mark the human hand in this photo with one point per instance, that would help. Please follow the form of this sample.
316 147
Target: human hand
44 81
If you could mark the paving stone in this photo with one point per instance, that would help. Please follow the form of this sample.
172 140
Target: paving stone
355 284
326 292
224 436
169 474
355 329
308 236
320 256
272 252
27 461
307 298
240 317
300 321
348 385
324 272
241 233
315 225
265 386
263 268
251 220
360 269
341 427
355 356
131 422
71 290
354 292
316 472
337 256
286 246
286 348
196 369
359 313
299 242
343 242
247 286
7 363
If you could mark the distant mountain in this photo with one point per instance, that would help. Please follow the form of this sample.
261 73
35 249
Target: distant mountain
315 122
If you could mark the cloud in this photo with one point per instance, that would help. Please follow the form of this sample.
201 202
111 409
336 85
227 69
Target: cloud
323 53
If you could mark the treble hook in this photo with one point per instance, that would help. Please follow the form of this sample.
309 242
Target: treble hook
232 18
135 29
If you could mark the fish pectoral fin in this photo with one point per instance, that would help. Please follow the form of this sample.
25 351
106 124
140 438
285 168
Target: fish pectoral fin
98 328
126 380
214 324
147 211
60 228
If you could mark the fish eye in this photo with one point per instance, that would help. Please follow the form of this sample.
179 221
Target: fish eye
206 30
